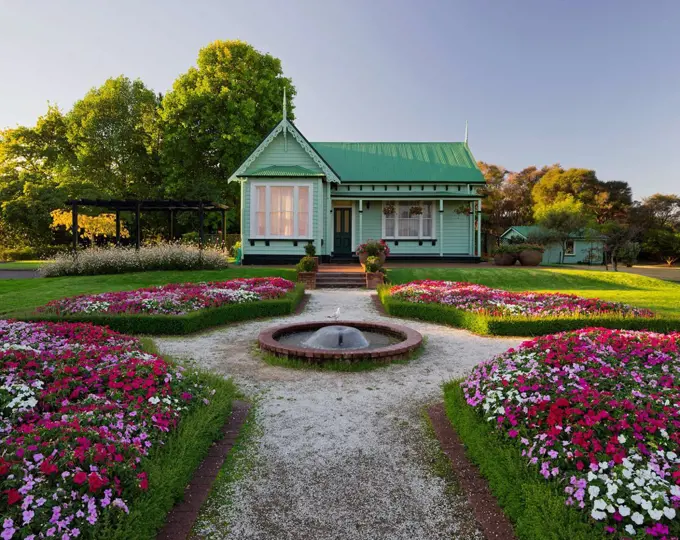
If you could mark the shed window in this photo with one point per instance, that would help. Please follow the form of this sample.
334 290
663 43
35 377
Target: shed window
569 247
281 210
403 223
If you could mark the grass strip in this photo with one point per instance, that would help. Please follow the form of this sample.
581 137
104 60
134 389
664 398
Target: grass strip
535 506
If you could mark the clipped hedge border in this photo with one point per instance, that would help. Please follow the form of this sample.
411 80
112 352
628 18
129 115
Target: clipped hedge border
535 506
181 324
518 326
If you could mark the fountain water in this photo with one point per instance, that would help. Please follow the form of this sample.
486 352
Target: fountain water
337 337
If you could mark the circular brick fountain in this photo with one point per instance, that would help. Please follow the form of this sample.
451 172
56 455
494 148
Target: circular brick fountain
319 342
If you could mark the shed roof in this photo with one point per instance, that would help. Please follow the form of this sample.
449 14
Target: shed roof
401 161
526 230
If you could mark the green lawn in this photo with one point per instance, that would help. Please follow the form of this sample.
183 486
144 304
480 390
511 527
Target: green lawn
21 265
23 295
660 296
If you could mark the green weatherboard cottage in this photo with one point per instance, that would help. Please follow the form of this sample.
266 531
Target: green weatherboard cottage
423 199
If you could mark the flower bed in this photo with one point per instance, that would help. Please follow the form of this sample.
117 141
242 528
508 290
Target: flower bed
486 310
81 410
173 299
596 412
177 308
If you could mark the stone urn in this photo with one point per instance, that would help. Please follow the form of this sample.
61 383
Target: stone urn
308 279
530 257
373 279
364 256
504 259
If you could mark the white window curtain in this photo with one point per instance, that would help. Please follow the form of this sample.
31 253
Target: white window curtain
281 211
401 224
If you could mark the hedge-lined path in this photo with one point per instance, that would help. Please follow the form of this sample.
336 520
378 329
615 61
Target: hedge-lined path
341 455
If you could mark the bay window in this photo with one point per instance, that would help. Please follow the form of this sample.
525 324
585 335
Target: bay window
406 222
281 210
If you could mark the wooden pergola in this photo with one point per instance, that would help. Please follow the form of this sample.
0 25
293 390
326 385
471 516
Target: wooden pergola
145 205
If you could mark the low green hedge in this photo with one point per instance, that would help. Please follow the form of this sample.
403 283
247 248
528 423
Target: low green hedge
535 506
172 466
518 326
181 324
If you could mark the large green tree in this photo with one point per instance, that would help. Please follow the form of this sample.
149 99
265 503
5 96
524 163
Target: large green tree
563 218
215 115
115 134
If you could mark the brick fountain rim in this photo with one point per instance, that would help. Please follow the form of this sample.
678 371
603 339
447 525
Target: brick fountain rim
410 341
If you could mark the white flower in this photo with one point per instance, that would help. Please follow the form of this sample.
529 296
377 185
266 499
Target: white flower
655 514
596 514
671 455
599 504
637 518
669 512
630 530
593 491
624 510
647 505
154 400
622 438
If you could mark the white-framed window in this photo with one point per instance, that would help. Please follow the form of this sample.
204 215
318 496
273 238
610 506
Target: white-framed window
281 210
403 223
569 247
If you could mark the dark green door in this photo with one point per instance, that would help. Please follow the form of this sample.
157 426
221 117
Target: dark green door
342 241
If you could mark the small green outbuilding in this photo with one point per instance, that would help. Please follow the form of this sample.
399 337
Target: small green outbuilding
422 198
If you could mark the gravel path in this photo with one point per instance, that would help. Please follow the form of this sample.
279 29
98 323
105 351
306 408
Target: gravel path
341 455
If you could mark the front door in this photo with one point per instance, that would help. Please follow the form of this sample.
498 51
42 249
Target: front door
342 236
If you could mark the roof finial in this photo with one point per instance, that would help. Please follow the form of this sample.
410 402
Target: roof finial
285 109
466 132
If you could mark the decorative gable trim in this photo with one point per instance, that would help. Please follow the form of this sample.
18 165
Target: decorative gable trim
285 127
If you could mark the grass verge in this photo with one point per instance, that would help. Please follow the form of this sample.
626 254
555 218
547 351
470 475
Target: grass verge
518 326
535 506
181 324
171 466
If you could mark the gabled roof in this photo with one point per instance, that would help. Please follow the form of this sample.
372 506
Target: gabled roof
401 161
527 230
287 127
284 170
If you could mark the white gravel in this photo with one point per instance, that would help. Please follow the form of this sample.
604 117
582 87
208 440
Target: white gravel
341 455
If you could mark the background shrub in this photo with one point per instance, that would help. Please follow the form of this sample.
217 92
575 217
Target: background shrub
118 260
8 254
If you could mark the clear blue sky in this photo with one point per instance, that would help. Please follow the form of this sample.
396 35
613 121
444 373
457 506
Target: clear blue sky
588 83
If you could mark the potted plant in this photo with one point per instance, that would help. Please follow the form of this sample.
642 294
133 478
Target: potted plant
415 211
310 250
375 274
389 209
529 254
306 270
505 255
373 248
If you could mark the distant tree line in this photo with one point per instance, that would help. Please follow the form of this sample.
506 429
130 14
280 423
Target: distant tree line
122 140
566 201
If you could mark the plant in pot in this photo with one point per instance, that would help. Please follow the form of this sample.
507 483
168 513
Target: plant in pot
505 255
415 211
373 248
375 275
529 254
389 209
306 270
310 250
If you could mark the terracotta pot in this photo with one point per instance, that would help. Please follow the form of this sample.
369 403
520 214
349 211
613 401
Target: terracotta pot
364 256
308 279
316 260
373 279
530 257
504 259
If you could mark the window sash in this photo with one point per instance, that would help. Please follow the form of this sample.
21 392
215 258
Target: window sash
287 211
402 226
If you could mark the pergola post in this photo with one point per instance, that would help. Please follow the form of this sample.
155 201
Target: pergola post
201 215
74 225
138 230
171 219
117 227
224 229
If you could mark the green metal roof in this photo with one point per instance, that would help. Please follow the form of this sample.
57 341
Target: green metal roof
401 161
526 230
282 170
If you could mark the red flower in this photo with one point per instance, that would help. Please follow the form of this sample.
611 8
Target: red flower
13 496
96 482
80 477
144 481
47 467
